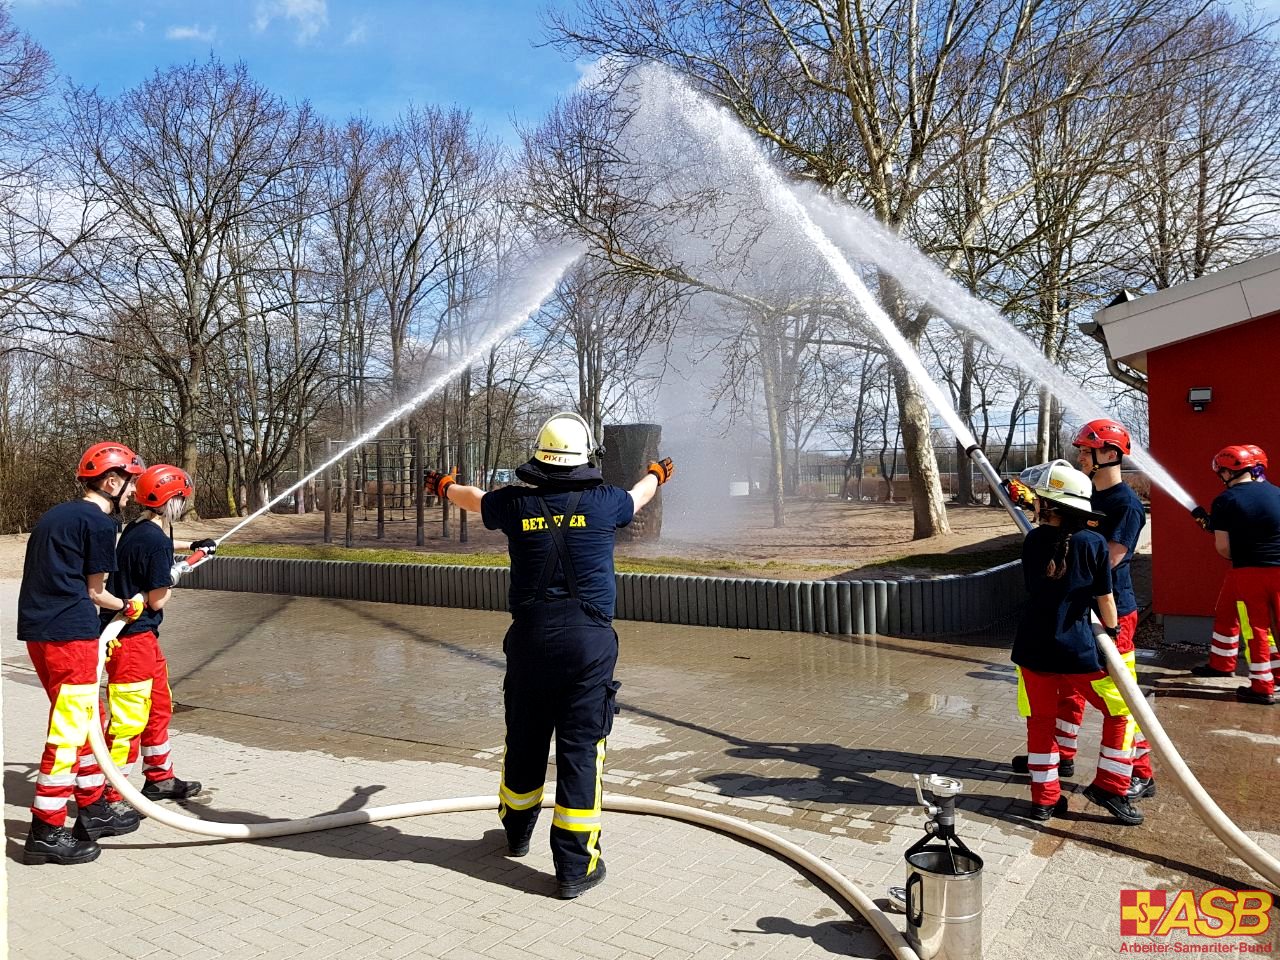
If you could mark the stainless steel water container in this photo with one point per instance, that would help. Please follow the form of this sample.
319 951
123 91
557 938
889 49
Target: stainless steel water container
944 903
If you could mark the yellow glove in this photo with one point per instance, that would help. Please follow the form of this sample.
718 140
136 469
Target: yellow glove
112 647
132 610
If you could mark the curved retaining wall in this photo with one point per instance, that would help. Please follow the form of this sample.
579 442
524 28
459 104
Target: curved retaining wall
897 608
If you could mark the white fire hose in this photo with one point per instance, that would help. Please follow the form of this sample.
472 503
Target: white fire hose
854 897
1236 839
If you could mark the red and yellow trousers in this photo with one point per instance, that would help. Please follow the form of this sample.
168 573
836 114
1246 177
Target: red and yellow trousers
1039 698
68 671
141 706
1247 606
1071 707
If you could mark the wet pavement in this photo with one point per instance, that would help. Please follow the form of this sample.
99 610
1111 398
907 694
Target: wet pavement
290 707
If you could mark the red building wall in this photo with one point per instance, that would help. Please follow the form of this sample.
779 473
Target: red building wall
1239 363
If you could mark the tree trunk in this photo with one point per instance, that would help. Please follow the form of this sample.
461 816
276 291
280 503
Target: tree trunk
927 504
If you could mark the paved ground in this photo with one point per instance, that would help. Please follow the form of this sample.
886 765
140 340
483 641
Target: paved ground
292 707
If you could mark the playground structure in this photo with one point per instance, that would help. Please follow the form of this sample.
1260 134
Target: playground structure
379 481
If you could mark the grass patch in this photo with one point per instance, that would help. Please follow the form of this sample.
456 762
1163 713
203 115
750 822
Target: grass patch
951 562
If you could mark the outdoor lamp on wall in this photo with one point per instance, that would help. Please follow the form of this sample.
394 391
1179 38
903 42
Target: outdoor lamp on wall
1199 398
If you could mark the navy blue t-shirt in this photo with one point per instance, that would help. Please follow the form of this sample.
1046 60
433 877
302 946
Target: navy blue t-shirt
1249 513
589 534
1122 521
144 557
68 545
1054 635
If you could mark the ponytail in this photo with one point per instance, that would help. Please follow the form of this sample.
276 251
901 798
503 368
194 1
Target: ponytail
1072 522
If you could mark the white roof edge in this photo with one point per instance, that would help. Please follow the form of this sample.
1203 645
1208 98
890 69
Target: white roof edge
1191 309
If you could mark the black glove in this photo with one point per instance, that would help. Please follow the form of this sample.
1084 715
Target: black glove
1112 632
209 546
1201 516
435 483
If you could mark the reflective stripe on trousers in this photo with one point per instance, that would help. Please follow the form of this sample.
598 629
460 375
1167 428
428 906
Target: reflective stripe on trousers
559 681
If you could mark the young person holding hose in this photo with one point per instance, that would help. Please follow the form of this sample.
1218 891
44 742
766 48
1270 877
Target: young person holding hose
141 703
1067 569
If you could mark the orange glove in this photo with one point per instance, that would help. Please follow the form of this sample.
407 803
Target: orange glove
662 469
436 484
132 609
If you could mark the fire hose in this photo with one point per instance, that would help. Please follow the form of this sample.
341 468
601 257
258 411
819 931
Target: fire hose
1205 808
855 898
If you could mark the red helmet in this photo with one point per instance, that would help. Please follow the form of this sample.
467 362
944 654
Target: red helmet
160 484
1239 457
1097 434
102 457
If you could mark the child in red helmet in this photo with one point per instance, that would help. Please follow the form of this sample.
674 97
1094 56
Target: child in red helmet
71 550
1245 520
137 672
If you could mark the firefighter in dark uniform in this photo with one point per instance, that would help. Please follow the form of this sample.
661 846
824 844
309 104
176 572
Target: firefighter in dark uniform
561 647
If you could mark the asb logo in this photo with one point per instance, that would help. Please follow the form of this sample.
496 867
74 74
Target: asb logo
1217 913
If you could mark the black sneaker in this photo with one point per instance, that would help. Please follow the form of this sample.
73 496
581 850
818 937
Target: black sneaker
104 819
1066 768
1141 788
1046 811
1250 695
171 789
1118 806
574 888
49 844
1204 670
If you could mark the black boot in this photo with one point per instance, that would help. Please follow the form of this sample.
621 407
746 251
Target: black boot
50 844
171 789
568 889
1115 804
102 819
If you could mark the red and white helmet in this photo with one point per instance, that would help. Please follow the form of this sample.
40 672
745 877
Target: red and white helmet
102 457
160 484
1239 457
1097 434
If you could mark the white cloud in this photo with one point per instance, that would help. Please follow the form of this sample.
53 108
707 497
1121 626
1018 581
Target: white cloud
357 34
310 16
193 32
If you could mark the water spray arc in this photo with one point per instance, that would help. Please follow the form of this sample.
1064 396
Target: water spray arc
715 126
919 275
530 291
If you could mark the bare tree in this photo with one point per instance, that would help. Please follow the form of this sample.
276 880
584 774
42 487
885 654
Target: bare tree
181 166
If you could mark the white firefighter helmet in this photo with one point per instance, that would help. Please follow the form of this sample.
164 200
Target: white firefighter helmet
1061 483
565 441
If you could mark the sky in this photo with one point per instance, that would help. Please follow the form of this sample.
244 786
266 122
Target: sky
346 57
